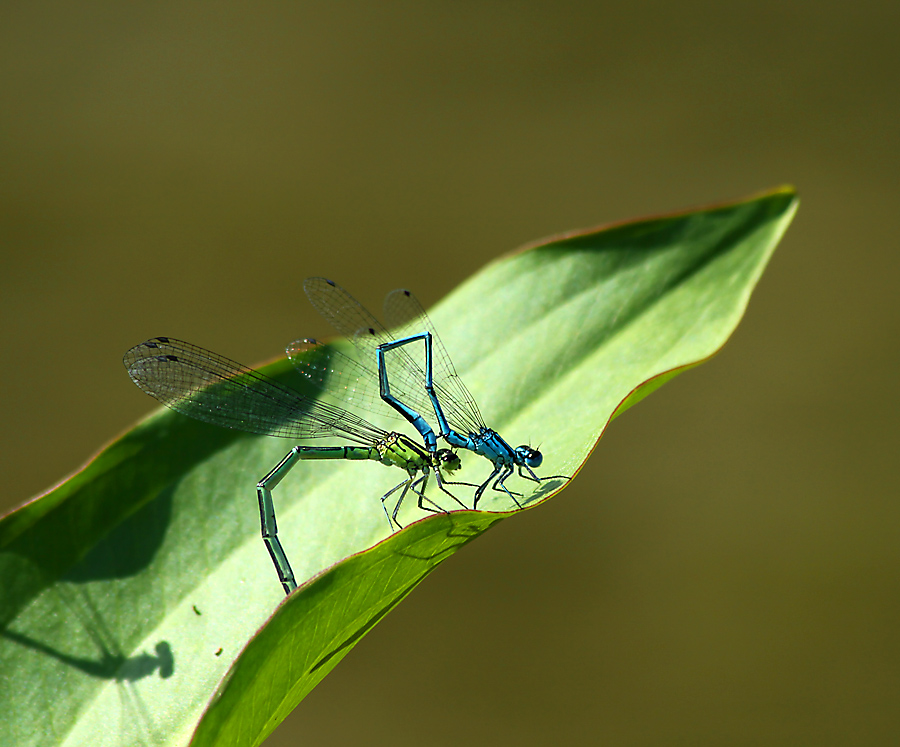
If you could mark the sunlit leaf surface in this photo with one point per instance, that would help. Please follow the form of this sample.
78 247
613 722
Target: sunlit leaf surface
137 597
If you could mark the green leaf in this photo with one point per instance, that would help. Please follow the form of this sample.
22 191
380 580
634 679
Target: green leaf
138 600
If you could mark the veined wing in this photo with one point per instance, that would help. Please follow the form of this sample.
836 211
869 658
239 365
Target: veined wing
338 375
349 317
405 366
209 387
406 316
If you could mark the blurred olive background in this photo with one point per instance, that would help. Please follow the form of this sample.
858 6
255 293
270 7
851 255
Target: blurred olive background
725 569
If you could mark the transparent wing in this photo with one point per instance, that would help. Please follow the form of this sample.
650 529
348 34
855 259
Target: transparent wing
405 366
338 375
347 315
406 316
209 387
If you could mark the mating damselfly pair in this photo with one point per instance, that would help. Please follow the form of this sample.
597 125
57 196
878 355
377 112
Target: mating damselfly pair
386 378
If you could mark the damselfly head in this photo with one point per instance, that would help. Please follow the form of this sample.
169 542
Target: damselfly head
448 460
528 456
